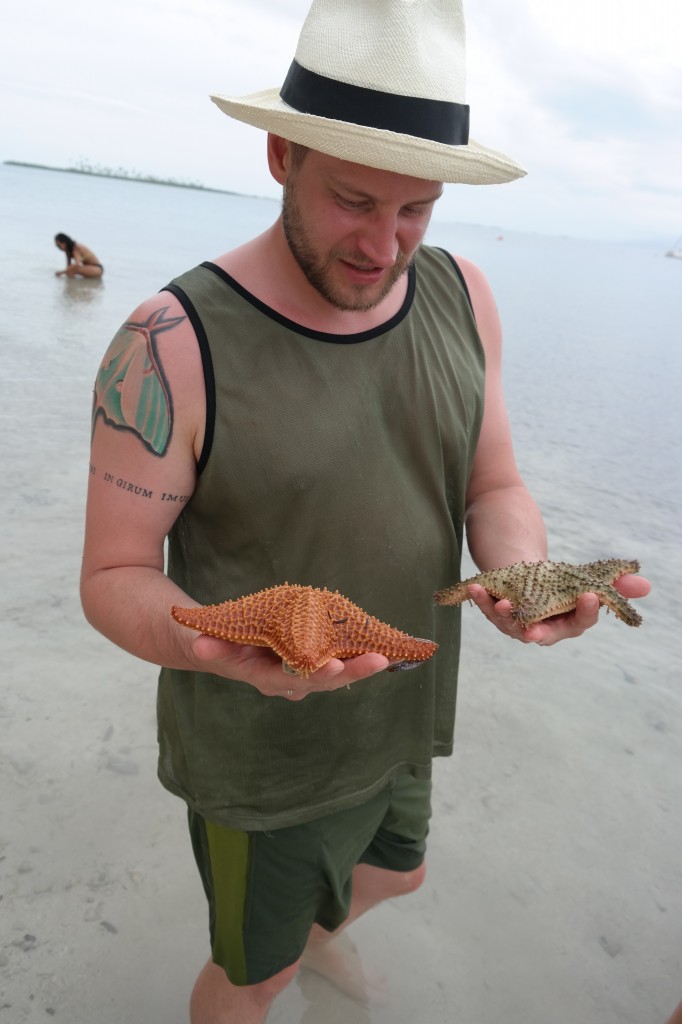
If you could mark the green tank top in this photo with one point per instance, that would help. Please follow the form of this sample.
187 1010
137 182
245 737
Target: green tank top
337 461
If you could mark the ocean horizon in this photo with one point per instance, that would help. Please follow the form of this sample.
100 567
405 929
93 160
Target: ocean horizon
121 174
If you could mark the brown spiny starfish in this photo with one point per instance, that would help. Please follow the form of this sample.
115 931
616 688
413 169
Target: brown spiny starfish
538 590
306 627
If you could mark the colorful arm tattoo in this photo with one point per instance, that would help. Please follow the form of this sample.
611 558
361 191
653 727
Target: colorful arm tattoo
131 392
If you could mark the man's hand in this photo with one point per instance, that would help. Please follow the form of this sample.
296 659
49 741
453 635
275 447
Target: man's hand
262 668
559 627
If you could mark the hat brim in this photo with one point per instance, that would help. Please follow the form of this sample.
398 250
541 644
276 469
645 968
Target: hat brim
472 164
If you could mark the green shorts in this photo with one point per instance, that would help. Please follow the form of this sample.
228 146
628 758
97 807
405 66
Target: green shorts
266 889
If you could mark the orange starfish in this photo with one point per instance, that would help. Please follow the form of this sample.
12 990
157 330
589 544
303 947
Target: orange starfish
306 627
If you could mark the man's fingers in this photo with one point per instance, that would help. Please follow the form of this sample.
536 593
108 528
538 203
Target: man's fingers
633 586
262 668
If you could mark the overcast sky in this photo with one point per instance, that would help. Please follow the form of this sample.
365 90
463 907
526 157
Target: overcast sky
586 94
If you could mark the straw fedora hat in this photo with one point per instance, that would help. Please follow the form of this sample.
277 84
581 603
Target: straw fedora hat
380 83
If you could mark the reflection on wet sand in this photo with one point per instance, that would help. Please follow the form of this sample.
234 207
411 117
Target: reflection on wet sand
326 1004
82 290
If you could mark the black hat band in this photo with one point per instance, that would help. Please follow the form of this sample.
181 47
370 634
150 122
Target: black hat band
437 120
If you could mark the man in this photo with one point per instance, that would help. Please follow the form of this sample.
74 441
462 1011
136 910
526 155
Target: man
321 406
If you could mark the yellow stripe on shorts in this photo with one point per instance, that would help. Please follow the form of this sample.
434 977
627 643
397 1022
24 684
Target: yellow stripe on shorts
229 855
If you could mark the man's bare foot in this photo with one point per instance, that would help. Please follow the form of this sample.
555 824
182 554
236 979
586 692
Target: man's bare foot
339 962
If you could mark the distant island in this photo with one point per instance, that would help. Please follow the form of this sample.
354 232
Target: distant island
83 167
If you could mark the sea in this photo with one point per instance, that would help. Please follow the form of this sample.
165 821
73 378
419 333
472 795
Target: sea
592 367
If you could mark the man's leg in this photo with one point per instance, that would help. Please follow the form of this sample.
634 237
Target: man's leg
392 865
334 956
215 1000
222 856
372 885
287 864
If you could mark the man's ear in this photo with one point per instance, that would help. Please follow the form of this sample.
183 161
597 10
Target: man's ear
279 158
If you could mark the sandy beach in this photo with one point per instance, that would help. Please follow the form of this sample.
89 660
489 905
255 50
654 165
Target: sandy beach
554 883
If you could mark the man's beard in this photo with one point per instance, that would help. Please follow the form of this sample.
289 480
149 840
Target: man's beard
319 269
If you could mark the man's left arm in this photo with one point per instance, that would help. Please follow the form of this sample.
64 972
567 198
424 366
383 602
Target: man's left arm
503 523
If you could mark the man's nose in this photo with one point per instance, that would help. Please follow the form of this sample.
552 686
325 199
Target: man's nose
378 241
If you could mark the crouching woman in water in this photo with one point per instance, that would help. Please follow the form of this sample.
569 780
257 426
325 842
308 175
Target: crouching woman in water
80 261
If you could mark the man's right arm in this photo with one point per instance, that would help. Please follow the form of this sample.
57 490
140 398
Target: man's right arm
147 425
147 435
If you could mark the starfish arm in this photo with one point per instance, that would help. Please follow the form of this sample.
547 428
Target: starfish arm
622 608
352 632
215 620
454 595
611 568
399 647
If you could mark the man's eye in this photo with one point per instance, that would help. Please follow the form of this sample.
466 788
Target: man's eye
350 204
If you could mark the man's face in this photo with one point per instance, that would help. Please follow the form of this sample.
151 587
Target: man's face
353 230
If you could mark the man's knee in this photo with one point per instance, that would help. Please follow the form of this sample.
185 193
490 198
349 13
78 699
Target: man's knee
384 883
214 993
413 879
402 883
265 991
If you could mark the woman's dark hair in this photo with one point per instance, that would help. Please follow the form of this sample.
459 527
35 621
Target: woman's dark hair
68 242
